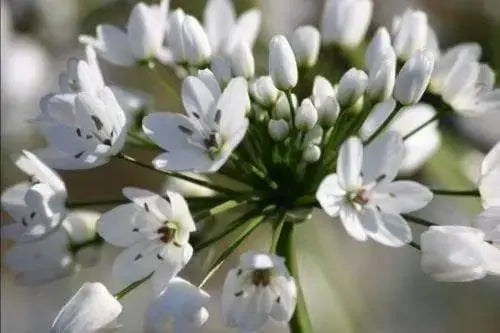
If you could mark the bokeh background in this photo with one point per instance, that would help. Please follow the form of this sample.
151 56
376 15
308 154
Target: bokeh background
349 287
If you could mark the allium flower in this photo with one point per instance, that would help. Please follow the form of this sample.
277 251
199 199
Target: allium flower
181 304
458 254
214 126
38 206
91 309
155 231
259 290
141 42
364 196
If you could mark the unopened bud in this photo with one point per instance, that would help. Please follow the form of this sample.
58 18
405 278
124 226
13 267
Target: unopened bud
282 108
305 44
311 154
381 80
196 44
414 77
242 61
264 91
282 64
278 129
306 116
351 87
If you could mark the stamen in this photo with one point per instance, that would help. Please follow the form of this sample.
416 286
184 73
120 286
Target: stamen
261 277
167 234
98 123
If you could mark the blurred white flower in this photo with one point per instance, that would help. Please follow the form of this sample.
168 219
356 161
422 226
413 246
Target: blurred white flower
155 232
215 125
458 254
182 304
141 42
282 65
414 77
489 181
305 44
378 50
365 197
186 188
91 309
489 222
258 291
324 98
352 86
242 61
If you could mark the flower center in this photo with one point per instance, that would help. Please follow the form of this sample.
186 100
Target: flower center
261 277
362 197
167 234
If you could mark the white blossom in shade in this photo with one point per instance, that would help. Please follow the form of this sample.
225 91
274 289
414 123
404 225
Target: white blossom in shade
311 154
225 30
282 65
345 22
414 77
91 309
364 195
181 304
324 98
242 61
83 130
305 44
306 116
258 291
38 206
458 254
352 86
282 107
221 68
264 91
420 146
141 42
411 32
214 126
155 231
378 49
489 181
489 222
278 129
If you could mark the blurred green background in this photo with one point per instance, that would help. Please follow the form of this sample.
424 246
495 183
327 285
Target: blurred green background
349 286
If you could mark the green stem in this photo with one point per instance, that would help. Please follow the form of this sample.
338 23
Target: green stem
75 247
300 322
277 232
170 91
288 94
433 119
80 204
470 193
419 220
200 182
119 295
383 126
415 245
254 170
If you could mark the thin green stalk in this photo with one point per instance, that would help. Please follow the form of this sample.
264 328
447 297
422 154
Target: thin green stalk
417 129
383 126
253 170
120 294
415 245
288 94
200 182
469 193
75 247
300 322
81 204
170 91
278 227
419 220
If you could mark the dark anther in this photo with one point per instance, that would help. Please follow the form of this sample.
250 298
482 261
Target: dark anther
239 293
196 115
137 257
159 256
278 300
167 234
107 142
217 116
146 207
135 230
79 154
238 273
78 132
185 130
32 215
98 123
261 277
380 178
167 198
23 221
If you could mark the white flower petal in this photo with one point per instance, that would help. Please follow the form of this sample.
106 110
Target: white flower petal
349 164
351 220
151 202
489 222
233 104
401 197
169 131
219 17
330 195
197 98
382 158
111 44
387 229
189 159
245 30
33 166
137 261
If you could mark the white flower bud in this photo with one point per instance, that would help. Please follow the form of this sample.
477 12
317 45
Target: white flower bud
351 87
282 64
92 308
306 116
264 91
410 33
242 61
278 129
196 44
378 50
311 154
328 111
381 80
81 225
345 22
313 137
282 108
174 35
414 77
221 68
305 44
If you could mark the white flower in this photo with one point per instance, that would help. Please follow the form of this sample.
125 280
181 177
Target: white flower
142 41
38 206
182 304
195 42
378 50
214 126
306 116
414 77
225 31
345 22
420 146
489 222
365 197
221 68
381 80
242 61
311 154
259 290
412 33
83 130
264 91
282 64
489 181
324 98
278 129
305 44
351 87
458 254
92 308
155 231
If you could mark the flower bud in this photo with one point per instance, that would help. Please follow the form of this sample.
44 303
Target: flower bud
278 129
306 116
328 111
282 108
174 35
313 137
351 87
264 91
311 154
221 68
242 61
410 33
414 77
345 22
305 45
81 225
381 80
196 44
282 64
378 50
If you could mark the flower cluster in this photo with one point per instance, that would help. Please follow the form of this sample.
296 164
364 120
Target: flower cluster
274 145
